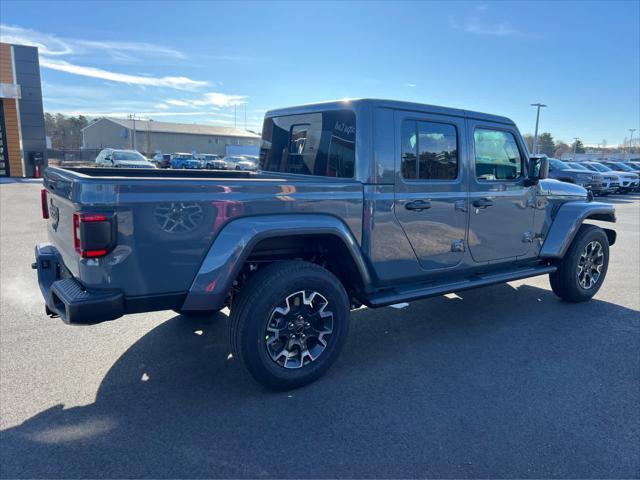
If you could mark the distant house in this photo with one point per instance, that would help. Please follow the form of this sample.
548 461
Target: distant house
150 137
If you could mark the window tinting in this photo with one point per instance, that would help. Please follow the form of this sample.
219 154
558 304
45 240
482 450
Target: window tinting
429 151
321 143
497 155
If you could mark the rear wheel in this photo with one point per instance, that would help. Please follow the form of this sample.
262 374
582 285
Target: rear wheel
289 323
583 269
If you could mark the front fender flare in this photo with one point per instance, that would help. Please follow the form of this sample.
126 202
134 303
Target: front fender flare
235 241
567 221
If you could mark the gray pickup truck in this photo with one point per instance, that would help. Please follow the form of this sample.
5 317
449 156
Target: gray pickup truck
358 202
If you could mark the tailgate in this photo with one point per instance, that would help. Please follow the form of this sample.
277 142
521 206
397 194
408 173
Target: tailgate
59 189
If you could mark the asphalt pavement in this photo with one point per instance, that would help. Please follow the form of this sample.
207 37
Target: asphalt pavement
506 381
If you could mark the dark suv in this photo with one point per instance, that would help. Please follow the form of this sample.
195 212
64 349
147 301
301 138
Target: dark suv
566 173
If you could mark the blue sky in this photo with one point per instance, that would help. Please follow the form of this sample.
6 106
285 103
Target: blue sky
200 62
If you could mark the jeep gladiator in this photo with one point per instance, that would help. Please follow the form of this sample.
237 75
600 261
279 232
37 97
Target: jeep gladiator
356 202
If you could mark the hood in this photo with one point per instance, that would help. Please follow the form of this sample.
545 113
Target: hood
622 173
555 188
135 164
577 171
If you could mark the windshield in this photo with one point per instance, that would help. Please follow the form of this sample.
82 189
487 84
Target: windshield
622 166
184 157
577 166
128 156
601 168
558 164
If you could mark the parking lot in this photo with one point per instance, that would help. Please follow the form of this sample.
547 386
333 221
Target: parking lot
506 381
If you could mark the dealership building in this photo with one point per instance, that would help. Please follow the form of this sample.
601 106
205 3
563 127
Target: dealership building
149 137
22 134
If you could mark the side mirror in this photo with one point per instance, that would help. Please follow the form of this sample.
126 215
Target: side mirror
538 169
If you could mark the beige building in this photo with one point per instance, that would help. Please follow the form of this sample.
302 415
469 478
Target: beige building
149 137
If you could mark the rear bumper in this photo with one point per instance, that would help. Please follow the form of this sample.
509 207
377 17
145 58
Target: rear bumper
66 297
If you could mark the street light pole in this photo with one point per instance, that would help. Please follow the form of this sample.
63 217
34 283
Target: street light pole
631 130
575 145
535 135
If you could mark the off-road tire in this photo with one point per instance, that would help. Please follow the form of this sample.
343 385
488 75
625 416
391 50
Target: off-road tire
564 281
254 307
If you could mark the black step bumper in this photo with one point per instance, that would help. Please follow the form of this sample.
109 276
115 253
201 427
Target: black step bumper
67 298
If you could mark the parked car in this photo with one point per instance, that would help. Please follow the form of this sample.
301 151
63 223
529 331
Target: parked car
161 160
626 179
247 163
610 183
212 161
634 165
613 178
185 160
367 219
232 162
114 158
634 183
564 172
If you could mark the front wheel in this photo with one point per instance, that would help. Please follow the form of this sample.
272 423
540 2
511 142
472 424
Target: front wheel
289 323
582 270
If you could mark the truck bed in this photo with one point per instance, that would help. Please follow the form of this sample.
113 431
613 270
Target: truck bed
167 220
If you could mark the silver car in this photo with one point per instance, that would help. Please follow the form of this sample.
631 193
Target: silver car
112 158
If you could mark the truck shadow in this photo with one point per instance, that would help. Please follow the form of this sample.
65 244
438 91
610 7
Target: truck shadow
501 379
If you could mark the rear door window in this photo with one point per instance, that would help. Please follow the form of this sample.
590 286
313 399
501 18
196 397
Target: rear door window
429 151
320 143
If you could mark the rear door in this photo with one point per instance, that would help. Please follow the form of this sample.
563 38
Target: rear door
501 206
430 186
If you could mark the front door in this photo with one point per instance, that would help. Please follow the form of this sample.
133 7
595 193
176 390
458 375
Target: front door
430 187
501 205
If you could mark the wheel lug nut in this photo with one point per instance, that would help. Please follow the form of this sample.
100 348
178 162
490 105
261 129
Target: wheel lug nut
307 324
293 335
290 326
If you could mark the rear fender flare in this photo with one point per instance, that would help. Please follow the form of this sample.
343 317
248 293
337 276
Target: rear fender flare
567 221
237 239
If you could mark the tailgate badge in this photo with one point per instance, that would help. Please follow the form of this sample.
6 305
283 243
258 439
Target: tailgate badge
54 212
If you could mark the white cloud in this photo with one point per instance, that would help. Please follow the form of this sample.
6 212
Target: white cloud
178 103
411 85
132 47
179 83
47 44
124 114
53 45
223 100
213 99
481 26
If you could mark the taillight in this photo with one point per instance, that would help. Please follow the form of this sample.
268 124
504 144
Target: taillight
43 203
94 234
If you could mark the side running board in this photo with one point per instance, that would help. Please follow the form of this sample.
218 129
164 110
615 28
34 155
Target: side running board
412 292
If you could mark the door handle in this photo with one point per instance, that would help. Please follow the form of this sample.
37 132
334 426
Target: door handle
418 205
483 203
